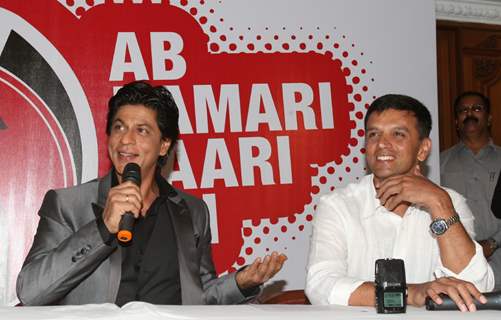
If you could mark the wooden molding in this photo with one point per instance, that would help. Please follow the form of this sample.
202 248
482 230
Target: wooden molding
482 11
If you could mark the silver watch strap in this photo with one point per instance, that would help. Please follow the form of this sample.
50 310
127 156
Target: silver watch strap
452 220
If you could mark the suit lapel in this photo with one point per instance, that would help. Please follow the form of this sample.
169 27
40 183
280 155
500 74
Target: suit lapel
103 189
191 287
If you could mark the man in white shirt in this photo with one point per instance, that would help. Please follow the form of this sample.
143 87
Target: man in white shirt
396 212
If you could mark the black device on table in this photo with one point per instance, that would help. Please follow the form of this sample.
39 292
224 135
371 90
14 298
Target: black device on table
391 287
493 302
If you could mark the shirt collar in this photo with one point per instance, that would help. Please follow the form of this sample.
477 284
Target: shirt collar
164 188
490 145
372 204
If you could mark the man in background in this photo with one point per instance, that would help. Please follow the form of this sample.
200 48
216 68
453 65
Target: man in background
471 167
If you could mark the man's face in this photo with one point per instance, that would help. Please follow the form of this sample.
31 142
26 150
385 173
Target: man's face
392 143
472 117
135 137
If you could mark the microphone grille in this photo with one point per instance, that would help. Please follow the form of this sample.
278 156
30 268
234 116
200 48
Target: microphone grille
132 172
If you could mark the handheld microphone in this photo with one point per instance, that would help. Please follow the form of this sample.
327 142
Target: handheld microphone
132 172
493 302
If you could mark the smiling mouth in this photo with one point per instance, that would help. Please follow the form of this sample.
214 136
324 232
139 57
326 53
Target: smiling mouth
127 154
385 158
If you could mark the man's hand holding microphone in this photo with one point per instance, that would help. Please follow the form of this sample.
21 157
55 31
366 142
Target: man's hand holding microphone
124 204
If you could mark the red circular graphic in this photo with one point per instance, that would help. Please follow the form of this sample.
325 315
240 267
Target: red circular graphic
247 232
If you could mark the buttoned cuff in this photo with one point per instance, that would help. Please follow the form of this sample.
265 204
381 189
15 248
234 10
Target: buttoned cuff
477 271
108 238
343 289
249 292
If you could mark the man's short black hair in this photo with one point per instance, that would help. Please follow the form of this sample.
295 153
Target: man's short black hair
403 103
485 100
158 99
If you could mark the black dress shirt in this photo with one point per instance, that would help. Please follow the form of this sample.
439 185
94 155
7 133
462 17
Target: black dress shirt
150 268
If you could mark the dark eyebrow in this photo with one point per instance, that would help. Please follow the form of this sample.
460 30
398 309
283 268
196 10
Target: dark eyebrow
144 125
402 129
396 128
137 125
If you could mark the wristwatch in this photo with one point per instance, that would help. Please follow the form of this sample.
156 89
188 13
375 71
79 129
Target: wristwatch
440 225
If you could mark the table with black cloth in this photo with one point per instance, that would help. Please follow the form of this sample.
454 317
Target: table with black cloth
141 310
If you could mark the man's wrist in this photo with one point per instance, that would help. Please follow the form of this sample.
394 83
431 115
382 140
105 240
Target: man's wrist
442 207
411 289
415 294
242 283
245 289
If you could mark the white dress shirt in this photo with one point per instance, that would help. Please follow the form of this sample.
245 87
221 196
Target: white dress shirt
351 230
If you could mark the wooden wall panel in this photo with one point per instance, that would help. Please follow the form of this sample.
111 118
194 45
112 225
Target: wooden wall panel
447 84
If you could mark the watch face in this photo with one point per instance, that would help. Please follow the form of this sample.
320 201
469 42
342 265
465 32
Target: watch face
438 226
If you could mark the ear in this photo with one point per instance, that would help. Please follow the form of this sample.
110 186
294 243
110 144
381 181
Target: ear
424 149
164 147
